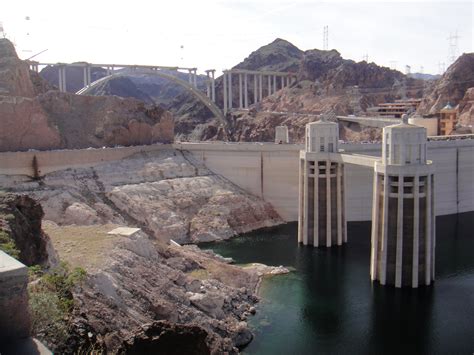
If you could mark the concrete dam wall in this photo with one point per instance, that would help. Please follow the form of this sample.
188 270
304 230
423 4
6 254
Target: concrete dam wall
270 171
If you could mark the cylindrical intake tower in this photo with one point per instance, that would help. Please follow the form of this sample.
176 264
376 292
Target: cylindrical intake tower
403 216
321 219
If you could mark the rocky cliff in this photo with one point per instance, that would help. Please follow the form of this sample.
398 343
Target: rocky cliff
20 225
451 87
35 117
466 109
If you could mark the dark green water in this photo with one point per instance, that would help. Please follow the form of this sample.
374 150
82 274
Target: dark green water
328 305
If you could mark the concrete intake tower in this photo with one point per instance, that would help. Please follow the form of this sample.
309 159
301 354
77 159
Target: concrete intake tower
403 220
403 209
321 219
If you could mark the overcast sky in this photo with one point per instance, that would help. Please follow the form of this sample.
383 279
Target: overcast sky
219 34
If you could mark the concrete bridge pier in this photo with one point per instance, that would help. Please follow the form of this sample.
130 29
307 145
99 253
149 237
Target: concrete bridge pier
255 85
224 84
192 77
213 85
240 91
230 90
87 75
34 66
62 78
246 92
321 220
260 89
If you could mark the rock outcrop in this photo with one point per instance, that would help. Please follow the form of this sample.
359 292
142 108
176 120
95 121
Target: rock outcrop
20 219
466 109
14 73
147 296
139 294
451 87
35 117
168 193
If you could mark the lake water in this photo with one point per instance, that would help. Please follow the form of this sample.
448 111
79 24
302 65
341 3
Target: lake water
328 305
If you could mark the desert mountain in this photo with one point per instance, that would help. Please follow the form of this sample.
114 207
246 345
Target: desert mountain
451 87
326 83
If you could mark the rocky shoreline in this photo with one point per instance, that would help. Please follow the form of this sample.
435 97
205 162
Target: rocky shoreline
145 291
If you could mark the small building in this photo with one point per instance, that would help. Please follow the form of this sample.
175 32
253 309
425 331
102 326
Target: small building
448 118
281 135
395 109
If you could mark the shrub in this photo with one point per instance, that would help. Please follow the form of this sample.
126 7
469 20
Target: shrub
7 244
51 302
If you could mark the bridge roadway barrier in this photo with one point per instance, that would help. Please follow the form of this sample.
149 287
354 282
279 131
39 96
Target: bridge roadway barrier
270 171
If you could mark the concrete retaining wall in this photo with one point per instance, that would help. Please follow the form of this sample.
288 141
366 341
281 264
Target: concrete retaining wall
14 315
21 163
271 171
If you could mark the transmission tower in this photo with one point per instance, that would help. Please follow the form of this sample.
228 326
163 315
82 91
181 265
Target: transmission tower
326 38
453 47
393 64
441 67
407 69
421 69
365 57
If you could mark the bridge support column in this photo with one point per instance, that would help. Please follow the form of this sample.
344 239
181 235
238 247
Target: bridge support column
213 86
89 75
62 78
246 92
240 91
269 85
255 89
321 217
403 238
208 85
230 90
260 87
274 84
195 78
224 81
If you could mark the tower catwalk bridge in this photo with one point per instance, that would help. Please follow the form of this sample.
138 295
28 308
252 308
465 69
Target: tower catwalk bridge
264 83
403 230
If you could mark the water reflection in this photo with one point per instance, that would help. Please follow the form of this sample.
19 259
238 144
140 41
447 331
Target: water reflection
329 305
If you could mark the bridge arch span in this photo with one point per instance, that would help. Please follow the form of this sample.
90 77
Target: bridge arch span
216 111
